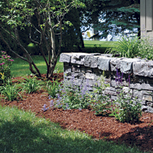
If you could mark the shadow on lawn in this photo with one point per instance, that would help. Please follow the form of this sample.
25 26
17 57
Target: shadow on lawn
21 136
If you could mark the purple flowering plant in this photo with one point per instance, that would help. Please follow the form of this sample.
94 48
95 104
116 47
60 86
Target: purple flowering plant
126 108
5 64
72 96
100 101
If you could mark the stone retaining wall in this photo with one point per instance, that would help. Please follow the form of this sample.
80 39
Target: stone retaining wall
84 66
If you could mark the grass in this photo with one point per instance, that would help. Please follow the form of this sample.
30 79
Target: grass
21 68
95 43
23 132
94 46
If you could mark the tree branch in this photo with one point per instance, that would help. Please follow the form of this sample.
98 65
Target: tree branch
11 49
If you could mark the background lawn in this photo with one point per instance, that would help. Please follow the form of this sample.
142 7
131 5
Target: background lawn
21 68
95 43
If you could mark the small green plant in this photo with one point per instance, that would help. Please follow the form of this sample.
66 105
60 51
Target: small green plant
53 88
31 85
5 63
126 108
10 92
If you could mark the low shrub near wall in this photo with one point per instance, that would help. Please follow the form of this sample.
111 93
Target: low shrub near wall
84 66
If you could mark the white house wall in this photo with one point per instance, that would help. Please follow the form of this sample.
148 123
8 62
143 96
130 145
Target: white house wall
146 20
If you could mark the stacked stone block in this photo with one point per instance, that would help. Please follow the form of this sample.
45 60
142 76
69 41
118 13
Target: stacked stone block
87 68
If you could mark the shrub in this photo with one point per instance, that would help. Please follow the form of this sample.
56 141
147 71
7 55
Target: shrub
146 48
5 63
126 108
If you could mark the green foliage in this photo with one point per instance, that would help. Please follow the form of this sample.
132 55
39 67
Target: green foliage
32 85
146 48
100 103
130 48
10 92
5 64
74 97
126 108
43 20
127 47
53 88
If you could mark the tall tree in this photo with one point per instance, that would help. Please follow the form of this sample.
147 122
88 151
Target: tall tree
103 13
44 17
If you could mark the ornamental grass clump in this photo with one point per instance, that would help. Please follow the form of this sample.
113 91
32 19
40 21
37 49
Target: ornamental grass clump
127 47
146 48
126 108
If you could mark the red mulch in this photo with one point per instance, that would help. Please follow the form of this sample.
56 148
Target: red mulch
100 127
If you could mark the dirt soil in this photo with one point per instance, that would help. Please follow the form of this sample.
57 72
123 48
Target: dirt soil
99 127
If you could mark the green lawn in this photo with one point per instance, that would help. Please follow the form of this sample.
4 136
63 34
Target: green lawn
95 43
22 132
21 68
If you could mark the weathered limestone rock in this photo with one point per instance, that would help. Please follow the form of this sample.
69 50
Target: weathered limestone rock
65 58
115 63
90 61
143 68
103 63
126 65
78 58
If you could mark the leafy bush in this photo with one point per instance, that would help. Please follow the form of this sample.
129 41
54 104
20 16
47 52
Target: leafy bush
5 63
126 108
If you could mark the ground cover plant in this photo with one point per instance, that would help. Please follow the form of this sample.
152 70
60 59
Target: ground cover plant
126 108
